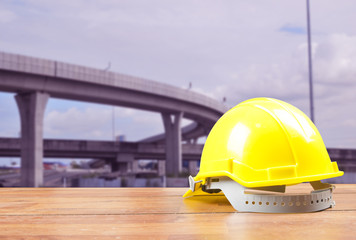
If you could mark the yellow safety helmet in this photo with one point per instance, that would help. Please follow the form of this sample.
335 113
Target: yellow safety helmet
264 143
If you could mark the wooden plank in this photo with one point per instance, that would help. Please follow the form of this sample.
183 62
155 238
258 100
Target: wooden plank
46 201
322 225
161 213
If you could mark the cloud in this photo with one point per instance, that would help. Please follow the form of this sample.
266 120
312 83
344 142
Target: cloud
90 123
9 116
232 49
334 62
101 122
335 59
7 16
285 79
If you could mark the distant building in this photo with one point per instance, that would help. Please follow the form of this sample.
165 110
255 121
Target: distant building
120 138
54 166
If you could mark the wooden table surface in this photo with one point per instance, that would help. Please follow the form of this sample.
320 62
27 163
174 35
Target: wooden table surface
161 213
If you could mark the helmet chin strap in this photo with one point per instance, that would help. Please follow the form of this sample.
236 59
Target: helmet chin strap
244 201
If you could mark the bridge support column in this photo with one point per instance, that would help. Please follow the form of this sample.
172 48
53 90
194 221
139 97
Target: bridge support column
123 163
31 107
172 126
161 168
192 168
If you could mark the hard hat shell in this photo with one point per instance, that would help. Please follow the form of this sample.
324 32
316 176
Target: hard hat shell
265 142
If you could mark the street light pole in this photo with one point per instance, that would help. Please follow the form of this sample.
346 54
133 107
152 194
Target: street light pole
113 124
310 66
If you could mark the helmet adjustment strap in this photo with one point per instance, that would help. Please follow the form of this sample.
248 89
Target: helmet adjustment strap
244 201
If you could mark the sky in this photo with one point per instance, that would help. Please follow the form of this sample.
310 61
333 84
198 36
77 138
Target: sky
232 49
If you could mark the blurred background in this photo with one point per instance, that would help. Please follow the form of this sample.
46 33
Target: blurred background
131 89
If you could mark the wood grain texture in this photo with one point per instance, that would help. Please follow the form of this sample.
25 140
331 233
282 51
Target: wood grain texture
161 213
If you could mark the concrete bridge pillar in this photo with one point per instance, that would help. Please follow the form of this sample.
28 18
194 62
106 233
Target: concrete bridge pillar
193 167
31 107
161 168
123 163
172 126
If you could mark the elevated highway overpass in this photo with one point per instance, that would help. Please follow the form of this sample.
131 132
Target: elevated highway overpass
110 151
35 80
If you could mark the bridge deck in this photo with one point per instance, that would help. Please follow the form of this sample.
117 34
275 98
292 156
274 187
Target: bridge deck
144 213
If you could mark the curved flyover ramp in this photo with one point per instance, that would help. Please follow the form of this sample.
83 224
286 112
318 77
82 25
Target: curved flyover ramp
35 80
